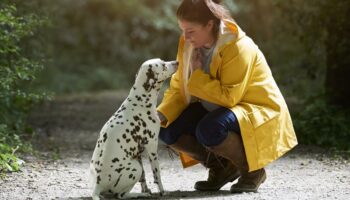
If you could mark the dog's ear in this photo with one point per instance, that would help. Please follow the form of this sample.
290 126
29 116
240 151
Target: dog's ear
150 81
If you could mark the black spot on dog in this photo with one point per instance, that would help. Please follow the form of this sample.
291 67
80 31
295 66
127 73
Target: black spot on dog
118 141
104 137
138 98
124 136
119 169
116 184
98 179
115 160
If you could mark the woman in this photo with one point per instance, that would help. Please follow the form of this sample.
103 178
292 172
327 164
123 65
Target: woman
223 107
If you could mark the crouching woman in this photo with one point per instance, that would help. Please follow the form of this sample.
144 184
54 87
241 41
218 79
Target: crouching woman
223 107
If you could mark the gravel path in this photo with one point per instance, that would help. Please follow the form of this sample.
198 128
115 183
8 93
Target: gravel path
67 131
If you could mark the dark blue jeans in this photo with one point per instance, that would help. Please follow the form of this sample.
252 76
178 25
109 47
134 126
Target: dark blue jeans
210 128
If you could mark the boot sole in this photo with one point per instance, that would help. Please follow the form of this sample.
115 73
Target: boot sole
217 187
241 190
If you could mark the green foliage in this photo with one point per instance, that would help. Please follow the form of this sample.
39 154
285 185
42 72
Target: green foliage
16 74
103 44
9 144
324 125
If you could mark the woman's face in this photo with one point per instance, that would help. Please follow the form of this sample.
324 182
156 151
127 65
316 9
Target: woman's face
197 34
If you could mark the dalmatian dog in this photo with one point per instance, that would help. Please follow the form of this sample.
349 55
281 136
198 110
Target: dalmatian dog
116 163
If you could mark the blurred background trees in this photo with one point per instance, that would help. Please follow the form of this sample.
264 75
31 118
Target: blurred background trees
92 45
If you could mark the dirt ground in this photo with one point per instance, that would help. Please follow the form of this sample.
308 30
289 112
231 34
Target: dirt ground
67 129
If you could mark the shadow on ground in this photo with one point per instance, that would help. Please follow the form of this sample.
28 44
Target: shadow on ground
172 195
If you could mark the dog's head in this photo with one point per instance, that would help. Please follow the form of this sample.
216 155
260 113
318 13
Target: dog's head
154 72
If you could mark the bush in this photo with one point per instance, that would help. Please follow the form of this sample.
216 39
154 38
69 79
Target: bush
323 124
16 74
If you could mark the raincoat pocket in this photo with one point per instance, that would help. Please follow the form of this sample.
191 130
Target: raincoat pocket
262 116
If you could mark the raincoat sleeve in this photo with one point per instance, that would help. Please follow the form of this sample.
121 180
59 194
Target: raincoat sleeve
173 103
230 86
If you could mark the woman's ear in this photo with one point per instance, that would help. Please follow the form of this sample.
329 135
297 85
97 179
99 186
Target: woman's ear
210 24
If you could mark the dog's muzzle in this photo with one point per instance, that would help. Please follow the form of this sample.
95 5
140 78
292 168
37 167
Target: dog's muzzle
175 63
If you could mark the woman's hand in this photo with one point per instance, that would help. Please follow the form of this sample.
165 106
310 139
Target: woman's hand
196 60
161 117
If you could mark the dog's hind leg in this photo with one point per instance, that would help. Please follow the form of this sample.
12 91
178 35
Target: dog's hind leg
144 187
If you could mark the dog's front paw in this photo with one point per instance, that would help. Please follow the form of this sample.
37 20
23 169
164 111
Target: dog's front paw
163 193
146 190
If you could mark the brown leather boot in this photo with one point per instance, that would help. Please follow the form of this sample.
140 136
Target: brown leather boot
232 149
221 171
249 181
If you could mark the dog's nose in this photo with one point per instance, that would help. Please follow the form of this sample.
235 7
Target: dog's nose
176 63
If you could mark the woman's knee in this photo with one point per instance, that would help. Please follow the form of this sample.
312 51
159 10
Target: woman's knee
210 132
167 137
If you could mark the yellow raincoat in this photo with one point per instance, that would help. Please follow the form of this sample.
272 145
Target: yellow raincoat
241 80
